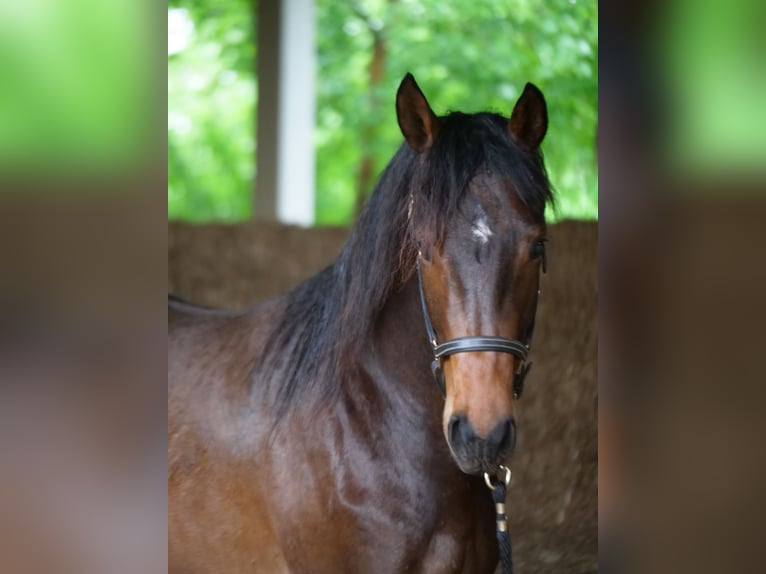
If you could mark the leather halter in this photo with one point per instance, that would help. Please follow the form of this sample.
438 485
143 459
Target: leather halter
473 344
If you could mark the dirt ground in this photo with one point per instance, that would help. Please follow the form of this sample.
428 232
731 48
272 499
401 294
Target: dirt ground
552 500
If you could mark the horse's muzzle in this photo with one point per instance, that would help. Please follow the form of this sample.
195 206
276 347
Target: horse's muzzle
475 454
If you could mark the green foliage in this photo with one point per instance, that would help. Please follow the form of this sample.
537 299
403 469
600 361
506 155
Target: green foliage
211 110
467 55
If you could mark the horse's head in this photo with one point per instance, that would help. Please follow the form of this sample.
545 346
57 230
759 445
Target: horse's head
477 216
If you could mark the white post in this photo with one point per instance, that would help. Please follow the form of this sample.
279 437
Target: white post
286 63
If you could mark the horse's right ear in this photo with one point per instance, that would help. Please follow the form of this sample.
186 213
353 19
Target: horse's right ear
417 121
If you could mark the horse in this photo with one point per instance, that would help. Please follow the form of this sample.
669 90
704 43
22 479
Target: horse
350 425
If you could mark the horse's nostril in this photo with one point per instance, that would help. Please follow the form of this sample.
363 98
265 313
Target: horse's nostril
460 430
453 428
503 436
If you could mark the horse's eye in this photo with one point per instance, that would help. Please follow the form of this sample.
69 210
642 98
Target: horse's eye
538 252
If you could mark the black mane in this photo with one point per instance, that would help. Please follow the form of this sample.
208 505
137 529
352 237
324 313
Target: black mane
330 316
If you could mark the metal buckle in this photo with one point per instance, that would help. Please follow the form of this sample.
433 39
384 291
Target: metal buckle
506 476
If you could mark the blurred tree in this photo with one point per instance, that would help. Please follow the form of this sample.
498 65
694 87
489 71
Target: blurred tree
466 54
211 109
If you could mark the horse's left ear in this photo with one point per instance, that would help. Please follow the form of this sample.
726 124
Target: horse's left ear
417 121
529 119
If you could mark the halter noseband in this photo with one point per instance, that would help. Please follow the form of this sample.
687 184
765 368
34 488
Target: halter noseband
472 344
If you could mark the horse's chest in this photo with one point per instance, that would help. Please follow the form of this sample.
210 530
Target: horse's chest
457 549
386 538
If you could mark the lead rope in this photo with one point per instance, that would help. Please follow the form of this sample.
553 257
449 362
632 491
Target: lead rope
498 489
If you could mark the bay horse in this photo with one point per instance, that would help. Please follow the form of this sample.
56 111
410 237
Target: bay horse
307 435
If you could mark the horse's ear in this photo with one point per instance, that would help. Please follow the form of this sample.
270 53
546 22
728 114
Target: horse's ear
529 119
417 121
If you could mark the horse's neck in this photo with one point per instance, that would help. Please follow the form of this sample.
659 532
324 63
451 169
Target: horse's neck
390 421
400 343
397 363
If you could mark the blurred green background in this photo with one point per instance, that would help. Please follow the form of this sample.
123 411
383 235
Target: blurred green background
467 55
73 93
